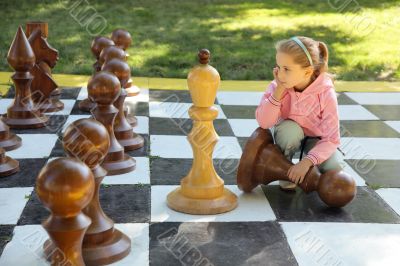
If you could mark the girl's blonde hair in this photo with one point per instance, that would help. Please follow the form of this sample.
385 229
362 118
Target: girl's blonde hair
318 52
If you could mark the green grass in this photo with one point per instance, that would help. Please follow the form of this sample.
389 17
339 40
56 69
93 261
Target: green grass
240 34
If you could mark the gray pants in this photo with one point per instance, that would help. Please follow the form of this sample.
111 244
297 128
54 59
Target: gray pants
288 135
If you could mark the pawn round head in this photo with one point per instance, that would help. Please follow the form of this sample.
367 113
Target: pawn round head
65 186
99 43
104 88
121 38
336 188
111 52
87 140
120 69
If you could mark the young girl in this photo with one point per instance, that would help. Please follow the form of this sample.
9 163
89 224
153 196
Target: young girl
300 107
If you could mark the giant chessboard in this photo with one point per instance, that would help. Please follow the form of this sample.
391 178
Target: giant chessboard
269 226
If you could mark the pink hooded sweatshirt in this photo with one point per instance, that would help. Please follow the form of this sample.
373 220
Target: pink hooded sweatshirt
315 109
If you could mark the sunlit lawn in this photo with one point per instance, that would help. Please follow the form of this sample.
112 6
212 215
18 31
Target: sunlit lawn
364 45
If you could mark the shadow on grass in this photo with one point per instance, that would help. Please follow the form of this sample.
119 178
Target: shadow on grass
167 34
233 63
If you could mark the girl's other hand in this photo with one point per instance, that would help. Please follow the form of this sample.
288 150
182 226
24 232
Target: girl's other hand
297 172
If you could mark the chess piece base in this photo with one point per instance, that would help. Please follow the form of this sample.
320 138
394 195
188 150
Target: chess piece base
117 247
126 165
178 202
56 94
12 143
110 251
86 105
132 90
131 144
51 106
245 177
132 120
26 123
8 167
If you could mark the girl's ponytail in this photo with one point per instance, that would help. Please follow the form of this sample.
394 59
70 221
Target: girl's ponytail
322 61
323 56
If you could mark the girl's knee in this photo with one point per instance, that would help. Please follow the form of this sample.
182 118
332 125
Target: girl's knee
335 162
288 135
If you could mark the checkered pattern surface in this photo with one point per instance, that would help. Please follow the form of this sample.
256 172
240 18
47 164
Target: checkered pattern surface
269 227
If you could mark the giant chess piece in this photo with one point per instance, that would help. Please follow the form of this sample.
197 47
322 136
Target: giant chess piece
8 166
263 162
98 44
115 52
88 140
55 94
202 191
104 89
65 186
8 140
22 113
44 89
111 52
122 129
123 39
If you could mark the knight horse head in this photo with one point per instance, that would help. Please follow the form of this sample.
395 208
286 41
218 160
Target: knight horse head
44 52
46 56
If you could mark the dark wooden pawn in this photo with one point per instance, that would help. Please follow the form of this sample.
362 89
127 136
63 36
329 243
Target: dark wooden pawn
88 140
111 52
104 88
122 129
263 162
98 44
8 140
44 89
65 186
115 52
8 166
123 39
130 117
22 113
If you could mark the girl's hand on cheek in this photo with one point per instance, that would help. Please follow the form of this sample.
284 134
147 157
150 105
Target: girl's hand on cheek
281 86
